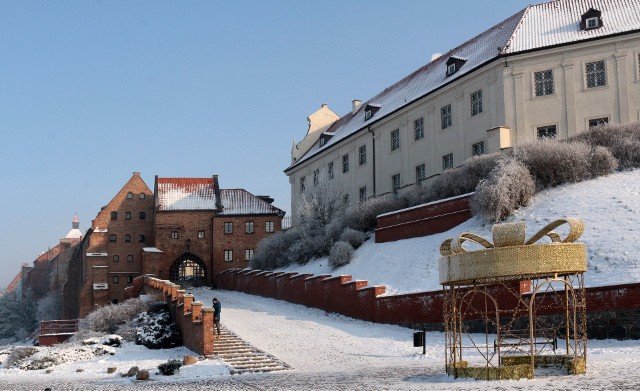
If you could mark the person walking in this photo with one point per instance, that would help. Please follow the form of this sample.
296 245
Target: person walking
216 314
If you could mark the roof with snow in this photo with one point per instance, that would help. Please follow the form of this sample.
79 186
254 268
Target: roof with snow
186 194
240 201
536 27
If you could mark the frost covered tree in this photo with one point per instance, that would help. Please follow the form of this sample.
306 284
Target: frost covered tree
17 315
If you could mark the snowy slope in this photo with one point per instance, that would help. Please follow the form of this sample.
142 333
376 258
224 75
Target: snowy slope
609 207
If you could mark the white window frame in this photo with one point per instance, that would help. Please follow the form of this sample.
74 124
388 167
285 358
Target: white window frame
228 255
249 227
547 127
588 21
269 226
228 227
545 85
248 254
594 74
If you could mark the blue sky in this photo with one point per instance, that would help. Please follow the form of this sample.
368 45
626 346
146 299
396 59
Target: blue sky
91 91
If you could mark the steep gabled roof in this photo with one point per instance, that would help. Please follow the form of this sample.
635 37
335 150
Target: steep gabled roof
535 27
240 202
186 194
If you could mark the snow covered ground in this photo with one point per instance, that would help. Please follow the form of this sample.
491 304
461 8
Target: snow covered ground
333 352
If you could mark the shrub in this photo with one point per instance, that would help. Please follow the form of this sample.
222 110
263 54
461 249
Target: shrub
271 252
155 330
602 162
553 163
353 237
107 319
340 255
19 354
508 186
622 140
170 367
362 216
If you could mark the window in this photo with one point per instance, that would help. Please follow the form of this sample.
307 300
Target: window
174 234
228 255
248 227
142 215
592 23
592 19
368 114
116 279
302 186
116 258
113 238
345 163
114 215
269 226
362 155
477 149
595 72
451 69
141 238
546 132
142 195
345 199
330 170
420 174
248 254
598 121
127 238
447 161
322 141
543 82
395 183
418 129
200 234
395 139
228 228
129 195
316 177
127 215
129 258
445 117
476 103
129 279
363 193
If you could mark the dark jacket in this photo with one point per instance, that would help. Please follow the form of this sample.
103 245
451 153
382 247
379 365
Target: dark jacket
216 311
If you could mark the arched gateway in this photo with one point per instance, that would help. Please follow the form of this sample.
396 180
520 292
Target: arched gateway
188 270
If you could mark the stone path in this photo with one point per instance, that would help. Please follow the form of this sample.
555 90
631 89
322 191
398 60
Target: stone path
243 357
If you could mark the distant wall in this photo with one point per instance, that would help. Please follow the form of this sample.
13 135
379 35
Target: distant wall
613 311
423 220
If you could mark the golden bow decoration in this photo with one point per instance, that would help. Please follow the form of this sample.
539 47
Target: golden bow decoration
511 255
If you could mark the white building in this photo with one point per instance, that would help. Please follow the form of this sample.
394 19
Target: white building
551 70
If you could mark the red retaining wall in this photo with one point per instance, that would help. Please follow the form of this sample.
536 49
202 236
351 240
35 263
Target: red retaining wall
355 299
422 220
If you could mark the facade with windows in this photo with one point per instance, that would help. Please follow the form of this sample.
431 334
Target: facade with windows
549 71
186 230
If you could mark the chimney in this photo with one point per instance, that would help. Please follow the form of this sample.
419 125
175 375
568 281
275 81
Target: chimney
266 198
355 105
216 190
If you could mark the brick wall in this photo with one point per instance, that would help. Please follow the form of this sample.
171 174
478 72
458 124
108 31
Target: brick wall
613 311
422 220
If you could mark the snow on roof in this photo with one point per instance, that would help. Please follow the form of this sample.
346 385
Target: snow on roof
75 233
240 201
535 27
186 194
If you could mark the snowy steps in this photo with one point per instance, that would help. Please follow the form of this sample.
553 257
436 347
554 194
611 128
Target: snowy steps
242 357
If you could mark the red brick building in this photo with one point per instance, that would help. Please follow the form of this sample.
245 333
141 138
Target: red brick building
186 231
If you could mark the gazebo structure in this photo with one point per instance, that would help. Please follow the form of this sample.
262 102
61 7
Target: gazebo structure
515 305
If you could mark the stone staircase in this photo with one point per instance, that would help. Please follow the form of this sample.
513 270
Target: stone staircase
242 357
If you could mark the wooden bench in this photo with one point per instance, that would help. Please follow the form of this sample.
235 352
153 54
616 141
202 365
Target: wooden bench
522 337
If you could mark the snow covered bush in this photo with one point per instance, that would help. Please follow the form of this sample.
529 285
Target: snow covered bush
108 318
170 367
602 162
155 330
362 217
554 163
353 237
18 354
341 254
45 357
508 186
622 140
17 315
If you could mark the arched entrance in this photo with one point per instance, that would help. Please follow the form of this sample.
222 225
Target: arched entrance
188 270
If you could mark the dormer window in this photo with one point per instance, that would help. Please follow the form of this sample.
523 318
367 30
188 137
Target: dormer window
323 141
591 20
454 64
371 110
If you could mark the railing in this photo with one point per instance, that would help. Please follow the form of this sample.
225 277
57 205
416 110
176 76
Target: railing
49 327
